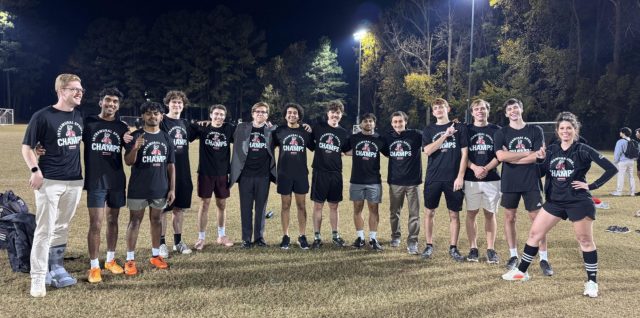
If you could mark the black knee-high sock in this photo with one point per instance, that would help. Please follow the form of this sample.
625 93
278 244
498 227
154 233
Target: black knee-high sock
162 241
177 238
591 264
528 255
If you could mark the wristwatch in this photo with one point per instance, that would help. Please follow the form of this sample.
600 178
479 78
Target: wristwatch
35 169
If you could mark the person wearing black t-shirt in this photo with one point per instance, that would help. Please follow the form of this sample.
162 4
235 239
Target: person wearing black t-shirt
565 166
56 178
181 133
482 182
293 175
326 181
105 182
213 173
253 167
445 144
516 146
152 182
366 182
404 178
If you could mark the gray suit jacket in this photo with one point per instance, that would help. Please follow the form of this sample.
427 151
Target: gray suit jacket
241 149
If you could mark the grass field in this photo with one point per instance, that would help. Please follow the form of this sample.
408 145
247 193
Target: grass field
331 282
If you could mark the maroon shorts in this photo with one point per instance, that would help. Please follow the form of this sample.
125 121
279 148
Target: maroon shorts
213 184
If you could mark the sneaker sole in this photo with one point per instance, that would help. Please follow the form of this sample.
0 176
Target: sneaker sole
473 260
492 262
284 247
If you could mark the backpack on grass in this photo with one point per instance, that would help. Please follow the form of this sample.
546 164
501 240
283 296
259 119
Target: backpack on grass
17 227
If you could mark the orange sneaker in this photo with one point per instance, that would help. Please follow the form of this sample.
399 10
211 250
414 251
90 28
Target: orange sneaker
159 262
113 267
224 241
95 275
130 268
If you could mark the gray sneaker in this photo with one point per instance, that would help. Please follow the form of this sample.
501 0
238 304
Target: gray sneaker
473 255
182 248
412 248
546 268
395 242
428 251
455 255
492 257
512 263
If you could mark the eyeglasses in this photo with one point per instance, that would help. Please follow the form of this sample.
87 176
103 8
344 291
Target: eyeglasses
75 90
259 112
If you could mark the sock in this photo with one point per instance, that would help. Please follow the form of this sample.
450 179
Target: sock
335 234
201 235
162 241
130 255
430 244
360 234
221 231
453 246
373 235
155 252
177 238
111 255
513 252
544 256
528 255
317 236
95 263
591 264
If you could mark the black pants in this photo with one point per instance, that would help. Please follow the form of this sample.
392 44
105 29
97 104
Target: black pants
253 190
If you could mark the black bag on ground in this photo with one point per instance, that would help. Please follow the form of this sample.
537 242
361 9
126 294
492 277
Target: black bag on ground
632 149
17 227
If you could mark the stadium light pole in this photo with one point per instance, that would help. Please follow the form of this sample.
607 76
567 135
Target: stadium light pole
358 36
466 112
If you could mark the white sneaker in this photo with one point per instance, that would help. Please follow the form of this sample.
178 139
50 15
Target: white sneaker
182 248
38 288
516 275
591 289
616 194
164 251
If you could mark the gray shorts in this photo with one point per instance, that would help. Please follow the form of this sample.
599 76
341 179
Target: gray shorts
140 204
370 192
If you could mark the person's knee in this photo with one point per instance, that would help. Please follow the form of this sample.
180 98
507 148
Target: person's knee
586 242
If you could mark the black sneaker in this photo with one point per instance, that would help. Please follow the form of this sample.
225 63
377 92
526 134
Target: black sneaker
286 241
358 243
622 230
492 257
375 245
246 244
268 215
302 241
473 255
316 244
612 228
428 251
260 242
338 241
546 268
512 263
455 254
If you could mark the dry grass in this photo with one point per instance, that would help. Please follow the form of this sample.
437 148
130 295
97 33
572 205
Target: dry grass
330 282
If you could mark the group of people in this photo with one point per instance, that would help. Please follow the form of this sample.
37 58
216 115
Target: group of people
462 165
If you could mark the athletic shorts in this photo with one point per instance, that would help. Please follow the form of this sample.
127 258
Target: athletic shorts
532 200
114 199
140 204
184 191
296 184
574 211
433 191
326 186
370 192
218 185
482 195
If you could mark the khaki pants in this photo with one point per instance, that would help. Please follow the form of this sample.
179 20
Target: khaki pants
397 194
56 203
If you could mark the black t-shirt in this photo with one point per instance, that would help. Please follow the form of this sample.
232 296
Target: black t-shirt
292 156
330 142
515 177
562 167
405 162
181 134
103 154
258 159
149 178
215 149
365 158
60 133
444 163
481 150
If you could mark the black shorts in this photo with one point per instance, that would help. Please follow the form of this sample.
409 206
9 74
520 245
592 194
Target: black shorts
184 190
574 211
218 185
532 200
434 189
296 184
326 186
114 199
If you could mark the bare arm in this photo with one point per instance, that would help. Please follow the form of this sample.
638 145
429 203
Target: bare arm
459 182
511 157
171 173
434 146
130 157
36 179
